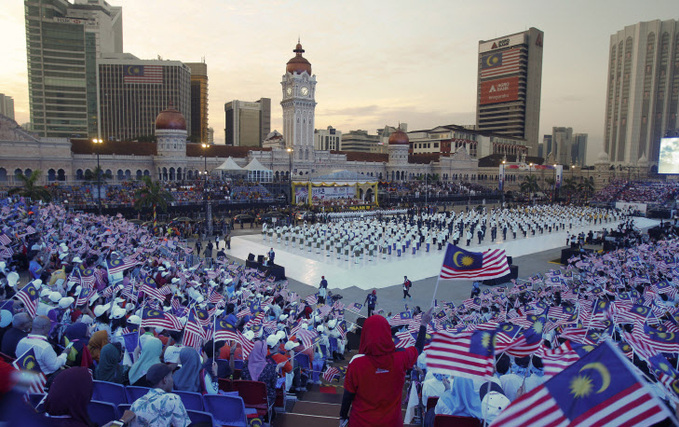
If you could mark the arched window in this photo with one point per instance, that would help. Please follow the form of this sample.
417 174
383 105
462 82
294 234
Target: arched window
128 174
179 174
172 175
79 175
61 175
147 173
28 172
17 172
3 175
139 174
120 174
51 175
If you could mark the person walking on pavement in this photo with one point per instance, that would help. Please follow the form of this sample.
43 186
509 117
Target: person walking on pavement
406 288
371 301
323 290
272 256
217 241
199 247
227 241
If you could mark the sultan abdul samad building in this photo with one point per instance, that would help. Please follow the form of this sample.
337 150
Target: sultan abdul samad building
172 158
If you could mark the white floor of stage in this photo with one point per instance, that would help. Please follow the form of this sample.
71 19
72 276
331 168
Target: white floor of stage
308 267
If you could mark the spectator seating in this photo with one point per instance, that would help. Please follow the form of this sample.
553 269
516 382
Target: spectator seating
200 417
228 410
134 393
192 401
105 391
102 412
254 396
456 421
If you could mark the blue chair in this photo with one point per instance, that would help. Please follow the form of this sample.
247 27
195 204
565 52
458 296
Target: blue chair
109 392
191 400
197 417
124 407
133 392
229 410
238 364
101 412
302 361
324 351
333 345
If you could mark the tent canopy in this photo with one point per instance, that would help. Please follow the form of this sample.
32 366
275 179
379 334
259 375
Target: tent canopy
344 176
254 165
229 165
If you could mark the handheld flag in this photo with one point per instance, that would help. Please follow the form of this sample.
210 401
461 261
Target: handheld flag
459 264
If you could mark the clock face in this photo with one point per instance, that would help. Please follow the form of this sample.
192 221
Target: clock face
304 91
288 91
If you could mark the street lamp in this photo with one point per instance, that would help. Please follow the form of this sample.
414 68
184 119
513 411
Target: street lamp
554 188
530 180
208 208
502 182
290 150
97 142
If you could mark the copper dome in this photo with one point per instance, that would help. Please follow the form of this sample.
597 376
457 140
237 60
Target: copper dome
298 64
399 138
170 119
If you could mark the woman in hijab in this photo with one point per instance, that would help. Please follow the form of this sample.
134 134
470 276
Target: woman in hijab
97 341
460 399
373 385
150 355
66 403
259 367
79 355
187 378
109 367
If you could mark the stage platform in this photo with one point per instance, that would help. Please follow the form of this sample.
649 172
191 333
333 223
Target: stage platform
308 267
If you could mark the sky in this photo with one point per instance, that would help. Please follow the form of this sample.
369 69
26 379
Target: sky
377 62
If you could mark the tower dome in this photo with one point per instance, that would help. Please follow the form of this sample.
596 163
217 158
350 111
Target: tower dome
298 64
170 118
399 138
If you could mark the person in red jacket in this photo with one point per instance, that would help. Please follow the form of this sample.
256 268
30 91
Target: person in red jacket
373 385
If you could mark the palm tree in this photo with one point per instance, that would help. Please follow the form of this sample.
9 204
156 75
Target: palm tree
152 195
530 185
570 185
587 187
30 189
91 176
550 182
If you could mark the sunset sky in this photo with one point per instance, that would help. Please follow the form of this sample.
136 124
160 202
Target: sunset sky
377 62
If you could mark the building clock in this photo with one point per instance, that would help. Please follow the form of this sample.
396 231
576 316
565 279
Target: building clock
288 91
304 91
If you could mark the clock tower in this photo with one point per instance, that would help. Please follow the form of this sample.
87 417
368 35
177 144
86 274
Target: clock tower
299 104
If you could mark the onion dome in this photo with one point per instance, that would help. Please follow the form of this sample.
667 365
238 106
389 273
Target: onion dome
298 64
170 119
399 138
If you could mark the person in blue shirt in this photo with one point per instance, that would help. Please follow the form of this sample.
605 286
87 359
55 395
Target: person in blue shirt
371 301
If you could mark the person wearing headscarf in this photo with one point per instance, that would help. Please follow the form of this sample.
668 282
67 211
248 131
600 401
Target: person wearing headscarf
187 378
461 399
68 397
260 367
97 341
150 355
373 385
79 355
109 368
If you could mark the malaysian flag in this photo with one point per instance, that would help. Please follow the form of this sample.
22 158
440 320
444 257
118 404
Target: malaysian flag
4 239
500 63
150 288
225 331
599 389
468 354
311 299
404 339
152 318
557 359
308 338
85 295
28 362
246 344
29 295
666 375
331 374
459 264
194 334
118 265
355 307
143 74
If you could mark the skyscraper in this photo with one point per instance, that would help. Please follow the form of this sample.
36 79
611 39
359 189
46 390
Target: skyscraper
63 41
509 82
199 130
643 91
133 91
247 123
7 106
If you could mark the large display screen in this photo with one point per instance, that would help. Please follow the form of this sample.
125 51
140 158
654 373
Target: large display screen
668 161
499 90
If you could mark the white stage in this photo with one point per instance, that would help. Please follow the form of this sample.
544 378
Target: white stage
308 267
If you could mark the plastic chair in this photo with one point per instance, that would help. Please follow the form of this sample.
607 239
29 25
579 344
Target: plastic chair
101 412
109 392
124 407
227 410
254 396
333 345
456 421
302 361
200 417
324 350
191 400
238 364
133 392
225 384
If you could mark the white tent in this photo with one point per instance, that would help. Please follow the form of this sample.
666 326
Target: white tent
229 165
257 172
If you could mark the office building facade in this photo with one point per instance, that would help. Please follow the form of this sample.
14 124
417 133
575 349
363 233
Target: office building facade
7 106
509 86
63 41
327 139
642 98
199 105
133 91
247 123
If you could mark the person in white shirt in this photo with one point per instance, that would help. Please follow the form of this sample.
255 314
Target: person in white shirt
47 358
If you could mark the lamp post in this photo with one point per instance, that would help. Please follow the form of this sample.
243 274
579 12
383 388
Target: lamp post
554 188
290 151
530 181
502 182
97 142
208 207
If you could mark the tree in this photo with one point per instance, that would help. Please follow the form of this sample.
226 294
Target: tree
151 195
530 185
587 187
91 176
570 186
30 189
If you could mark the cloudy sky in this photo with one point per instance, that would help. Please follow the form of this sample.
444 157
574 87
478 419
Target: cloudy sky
377 62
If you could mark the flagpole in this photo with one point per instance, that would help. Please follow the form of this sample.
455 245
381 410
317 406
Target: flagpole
438 278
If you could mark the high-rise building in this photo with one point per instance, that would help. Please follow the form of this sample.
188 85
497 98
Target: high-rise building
643 91
509 81
546 147
7 106
132 92
562 148
247 123
359 140
199 129
299 105
63 41
327 139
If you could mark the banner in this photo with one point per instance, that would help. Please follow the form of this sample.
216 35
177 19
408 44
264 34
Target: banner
559 176
501 177
331 193
499 90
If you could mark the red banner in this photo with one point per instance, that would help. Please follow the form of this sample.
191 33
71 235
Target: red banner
500 90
